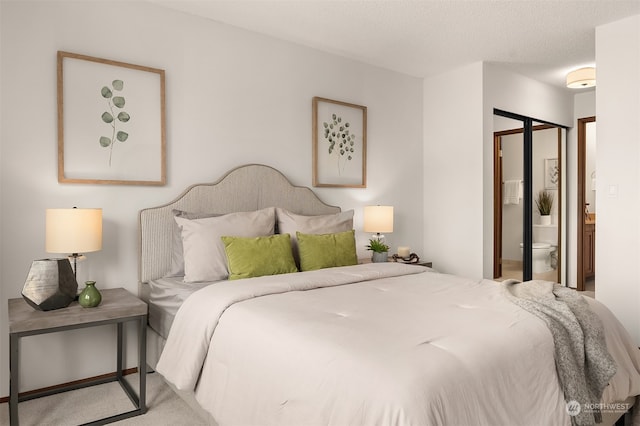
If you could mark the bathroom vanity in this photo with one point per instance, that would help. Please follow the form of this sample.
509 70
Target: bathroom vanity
589 246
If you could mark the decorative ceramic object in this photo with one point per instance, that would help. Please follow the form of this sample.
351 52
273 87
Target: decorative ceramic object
545 219
50 284
380 250
90 296
382 256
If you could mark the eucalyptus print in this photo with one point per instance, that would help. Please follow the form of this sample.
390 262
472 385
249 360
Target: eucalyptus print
341 141
114 115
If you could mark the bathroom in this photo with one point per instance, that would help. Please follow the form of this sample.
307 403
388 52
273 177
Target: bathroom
587 183
547 148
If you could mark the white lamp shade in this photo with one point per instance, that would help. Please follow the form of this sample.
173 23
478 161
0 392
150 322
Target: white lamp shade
378 219
581 78
73 230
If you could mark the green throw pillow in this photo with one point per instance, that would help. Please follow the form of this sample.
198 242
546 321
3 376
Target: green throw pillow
318 251
258 256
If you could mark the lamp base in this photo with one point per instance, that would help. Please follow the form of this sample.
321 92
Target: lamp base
50 284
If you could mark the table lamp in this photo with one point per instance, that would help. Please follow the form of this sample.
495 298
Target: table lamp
52 283
378 219
73 231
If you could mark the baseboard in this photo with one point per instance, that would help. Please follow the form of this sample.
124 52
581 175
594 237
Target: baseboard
75 382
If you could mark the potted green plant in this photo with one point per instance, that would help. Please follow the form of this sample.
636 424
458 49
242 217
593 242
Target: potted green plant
544 202
380 250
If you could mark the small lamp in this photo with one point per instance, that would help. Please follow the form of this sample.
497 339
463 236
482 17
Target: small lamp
73 231
378 219
51 283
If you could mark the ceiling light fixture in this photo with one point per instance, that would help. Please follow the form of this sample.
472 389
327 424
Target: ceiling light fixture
581 78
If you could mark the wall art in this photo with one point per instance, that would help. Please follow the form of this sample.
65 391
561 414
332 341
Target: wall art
111 122
339 144
551 173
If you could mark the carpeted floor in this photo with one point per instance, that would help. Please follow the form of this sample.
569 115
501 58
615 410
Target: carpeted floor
164 407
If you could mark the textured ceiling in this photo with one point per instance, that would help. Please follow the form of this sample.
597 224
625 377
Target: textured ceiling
541 39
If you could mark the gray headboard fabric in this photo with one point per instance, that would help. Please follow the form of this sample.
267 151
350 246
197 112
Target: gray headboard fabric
245 188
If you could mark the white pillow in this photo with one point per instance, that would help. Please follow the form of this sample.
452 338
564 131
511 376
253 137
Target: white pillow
204 255
289 223
177 252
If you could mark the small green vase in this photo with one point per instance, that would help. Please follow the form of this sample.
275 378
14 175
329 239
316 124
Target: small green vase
90 296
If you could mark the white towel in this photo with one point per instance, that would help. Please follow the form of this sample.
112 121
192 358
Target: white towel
513 191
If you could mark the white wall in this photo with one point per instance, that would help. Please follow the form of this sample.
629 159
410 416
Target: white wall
584 105
458 157
453 169
618 162
590 166
515 93
4 359
233 97
545 146
512 169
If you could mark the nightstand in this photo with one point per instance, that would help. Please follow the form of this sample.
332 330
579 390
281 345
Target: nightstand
427 264
419 263
118 306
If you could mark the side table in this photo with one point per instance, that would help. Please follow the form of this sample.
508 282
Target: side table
419 263
118 306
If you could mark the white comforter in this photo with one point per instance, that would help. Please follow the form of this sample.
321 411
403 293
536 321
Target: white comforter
385 344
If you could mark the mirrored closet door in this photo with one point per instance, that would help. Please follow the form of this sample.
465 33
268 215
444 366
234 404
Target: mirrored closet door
528 198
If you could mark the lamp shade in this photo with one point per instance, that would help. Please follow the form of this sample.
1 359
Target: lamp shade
73 230
581 78
378 219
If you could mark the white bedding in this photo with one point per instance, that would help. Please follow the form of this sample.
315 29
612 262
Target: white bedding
166 295
373 344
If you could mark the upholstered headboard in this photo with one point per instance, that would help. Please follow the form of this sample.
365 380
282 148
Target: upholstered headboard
246 188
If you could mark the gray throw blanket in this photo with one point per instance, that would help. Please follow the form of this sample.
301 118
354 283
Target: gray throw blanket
583 363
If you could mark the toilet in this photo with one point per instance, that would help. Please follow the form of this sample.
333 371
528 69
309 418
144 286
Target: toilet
541 257
545 244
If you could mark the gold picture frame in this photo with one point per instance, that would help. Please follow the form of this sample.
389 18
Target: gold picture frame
339 144
111 122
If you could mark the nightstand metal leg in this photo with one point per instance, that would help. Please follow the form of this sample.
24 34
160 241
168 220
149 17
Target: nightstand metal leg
14 374
120 348
142 363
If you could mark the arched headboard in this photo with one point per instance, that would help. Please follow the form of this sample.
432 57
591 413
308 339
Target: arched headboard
245 188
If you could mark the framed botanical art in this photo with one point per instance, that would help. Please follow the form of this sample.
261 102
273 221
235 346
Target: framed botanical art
551 173
339 144
111 122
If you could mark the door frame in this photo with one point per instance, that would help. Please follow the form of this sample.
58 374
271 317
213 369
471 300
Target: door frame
582 171
497 204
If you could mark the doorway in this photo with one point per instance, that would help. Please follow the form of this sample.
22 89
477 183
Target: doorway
528 159
586 219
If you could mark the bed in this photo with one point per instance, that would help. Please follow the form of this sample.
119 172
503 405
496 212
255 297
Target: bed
356 344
